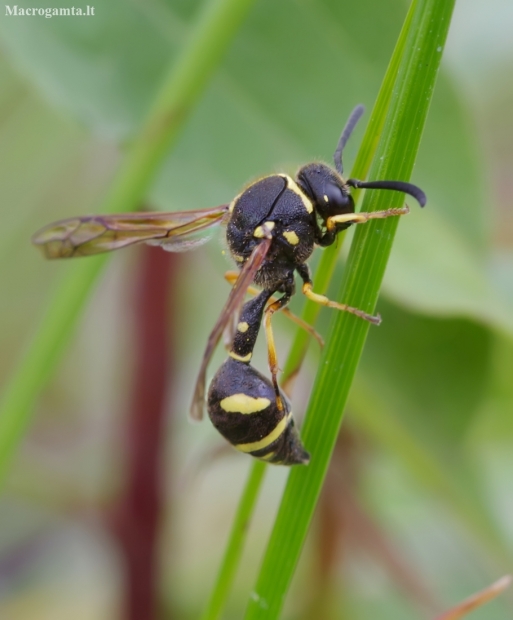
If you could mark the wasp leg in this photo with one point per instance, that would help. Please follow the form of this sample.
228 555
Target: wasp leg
304 273
363 216
271 348
231 277
303 325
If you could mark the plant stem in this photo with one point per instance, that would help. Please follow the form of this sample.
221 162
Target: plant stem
327 264
235 544
138 514
369 253
325 269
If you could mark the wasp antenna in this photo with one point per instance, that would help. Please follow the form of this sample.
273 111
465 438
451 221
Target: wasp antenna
354 117
400 186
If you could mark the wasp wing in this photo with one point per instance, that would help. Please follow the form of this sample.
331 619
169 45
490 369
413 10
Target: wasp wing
83 236
235 299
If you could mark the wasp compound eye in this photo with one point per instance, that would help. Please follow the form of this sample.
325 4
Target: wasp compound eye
337 199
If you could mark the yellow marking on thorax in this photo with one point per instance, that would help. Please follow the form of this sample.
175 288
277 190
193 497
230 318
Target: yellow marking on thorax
292 185
240 358
239 259
326 199
260 231
242 403
291 237
268 439
242 327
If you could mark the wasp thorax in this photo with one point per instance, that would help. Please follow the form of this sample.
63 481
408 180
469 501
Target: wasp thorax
327 189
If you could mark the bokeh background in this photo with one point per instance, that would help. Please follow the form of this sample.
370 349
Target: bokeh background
417 511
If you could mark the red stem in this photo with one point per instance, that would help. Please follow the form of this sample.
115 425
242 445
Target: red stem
140 508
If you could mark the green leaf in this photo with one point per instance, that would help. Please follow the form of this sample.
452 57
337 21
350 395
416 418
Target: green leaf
434 371
434 270
93 67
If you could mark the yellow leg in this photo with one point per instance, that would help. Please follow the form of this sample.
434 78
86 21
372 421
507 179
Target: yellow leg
231 277
324 301
303 324
364 216
271 348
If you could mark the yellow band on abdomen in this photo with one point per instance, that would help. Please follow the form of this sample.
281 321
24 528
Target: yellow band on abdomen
268 440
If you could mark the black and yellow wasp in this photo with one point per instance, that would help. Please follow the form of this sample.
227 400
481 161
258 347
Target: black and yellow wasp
272 227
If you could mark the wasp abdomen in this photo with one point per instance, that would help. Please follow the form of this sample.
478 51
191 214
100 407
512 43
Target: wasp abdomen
242 406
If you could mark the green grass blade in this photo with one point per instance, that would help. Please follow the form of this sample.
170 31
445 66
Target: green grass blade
235 544
310 313
360 170
187 78
394 159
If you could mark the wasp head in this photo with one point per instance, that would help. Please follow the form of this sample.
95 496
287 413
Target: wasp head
327 190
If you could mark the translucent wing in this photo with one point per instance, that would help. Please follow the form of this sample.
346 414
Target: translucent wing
235 299
83 236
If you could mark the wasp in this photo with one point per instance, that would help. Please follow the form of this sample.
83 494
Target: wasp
272 228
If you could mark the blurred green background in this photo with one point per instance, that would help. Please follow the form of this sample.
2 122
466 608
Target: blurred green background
417 512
